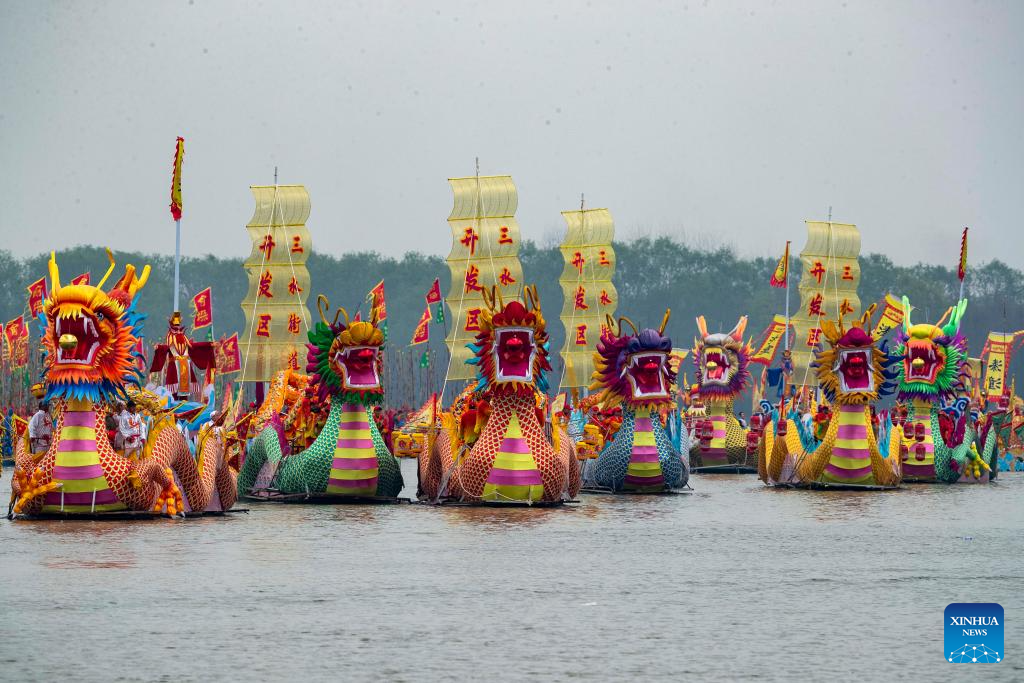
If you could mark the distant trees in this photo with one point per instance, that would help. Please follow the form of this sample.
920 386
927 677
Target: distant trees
653 273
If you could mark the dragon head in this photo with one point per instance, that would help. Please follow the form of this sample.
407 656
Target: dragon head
721 361
511 349
854 369
346 358
633 367
934 356
89 335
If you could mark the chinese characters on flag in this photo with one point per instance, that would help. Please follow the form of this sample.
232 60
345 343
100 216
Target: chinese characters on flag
266 280
581 335
16 342
202 306
263 325
228 357
472 320
36 296
422 332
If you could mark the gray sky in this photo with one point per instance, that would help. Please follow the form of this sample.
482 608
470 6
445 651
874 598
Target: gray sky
729 122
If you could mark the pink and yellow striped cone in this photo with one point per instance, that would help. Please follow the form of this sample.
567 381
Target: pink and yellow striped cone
354 469
716 454
514 476
77 468
644 473
851 460
920 465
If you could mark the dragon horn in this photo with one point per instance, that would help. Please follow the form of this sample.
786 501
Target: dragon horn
488 296
944 316
54 272
955 319
702 326
533 296
664 321
110 270
624 319
737 332
906 314
322 304
341 311
865 319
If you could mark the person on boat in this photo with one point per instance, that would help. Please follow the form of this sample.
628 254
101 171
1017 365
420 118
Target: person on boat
741 418
129 427
110 424
40 429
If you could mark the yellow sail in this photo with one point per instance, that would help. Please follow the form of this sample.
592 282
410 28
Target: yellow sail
275 305
830 274
587 290
485 252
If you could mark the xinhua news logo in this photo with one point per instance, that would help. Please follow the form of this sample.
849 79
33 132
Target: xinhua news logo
973 633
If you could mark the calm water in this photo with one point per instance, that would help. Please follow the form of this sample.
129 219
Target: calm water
732 581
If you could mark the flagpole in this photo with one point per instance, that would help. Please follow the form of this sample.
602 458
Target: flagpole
787 295
177 261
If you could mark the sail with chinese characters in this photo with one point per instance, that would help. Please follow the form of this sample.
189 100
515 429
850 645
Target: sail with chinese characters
587 290
830 274
485 252
275 305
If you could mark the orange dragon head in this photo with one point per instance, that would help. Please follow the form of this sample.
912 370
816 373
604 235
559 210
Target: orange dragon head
90 335
511 349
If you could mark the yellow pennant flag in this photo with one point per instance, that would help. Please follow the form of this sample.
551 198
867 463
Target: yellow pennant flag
781 274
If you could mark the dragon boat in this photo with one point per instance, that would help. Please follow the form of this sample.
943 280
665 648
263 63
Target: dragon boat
933 371
719 443
632 371
89 336
348 462
493 447
853 372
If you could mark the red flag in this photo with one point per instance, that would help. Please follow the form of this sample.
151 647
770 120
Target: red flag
422 332
378 306
228 357
202 307
36 296
962 268
176 202
82 279
781 274
434 295
16 341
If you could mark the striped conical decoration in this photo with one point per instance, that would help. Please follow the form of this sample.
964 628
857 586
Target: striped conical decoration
920 466
851 460
644 470
77 468
514 476
354 469
716 455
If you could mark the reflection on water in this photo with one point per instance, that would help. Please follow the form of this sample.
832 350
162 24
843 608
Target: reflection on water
731 579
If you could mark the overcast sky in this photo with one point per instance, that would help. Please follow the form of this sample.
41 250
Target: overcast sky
727 122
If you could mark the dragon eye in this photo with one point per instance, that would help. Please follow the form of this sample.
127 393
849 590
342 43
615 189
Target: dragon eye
99 315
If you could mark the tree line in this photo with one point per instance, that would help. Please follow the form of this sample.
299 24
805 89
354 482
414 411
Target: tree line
652 273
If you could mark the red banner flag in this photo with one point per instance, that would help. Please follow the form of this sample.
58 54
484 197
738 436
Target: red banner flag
179 156
36 296
202 309
16 342
228 357
781 275
434 295
962 268
82 279
378 305
422 332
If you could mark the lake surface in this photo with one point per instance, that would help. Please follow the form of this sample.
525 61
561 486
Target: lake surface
729 582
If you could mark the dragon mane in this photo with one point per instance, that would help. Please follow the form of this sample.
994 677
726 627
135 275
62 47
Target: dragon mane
613 351
325 338
952 375
115 364
731 342
858 336
497 314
